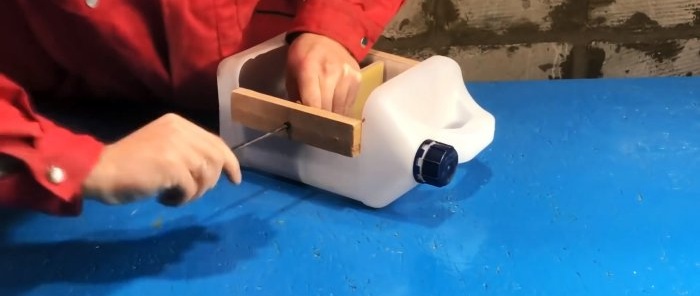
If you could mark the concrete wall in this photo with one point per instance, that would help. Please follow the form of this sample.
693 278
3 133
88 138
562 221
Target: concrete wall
552 39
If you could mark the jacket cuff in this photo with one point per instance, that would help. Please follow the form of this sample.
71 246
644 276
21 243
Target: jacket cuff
21 191
59 161
339 20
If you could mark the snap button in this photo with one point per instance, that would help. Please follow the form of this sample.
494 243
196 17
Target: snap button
56 175
364 41
91 3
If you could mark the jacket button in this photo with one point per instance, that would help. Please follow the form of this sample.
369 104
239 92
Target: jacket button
363 42
91 3
56 175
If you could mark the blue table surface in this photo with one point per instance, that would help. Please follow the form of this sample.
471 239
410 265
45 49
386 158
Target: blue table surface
589 188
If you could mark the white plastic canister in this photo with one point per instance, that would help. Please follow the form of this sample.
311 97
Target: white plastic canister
418 126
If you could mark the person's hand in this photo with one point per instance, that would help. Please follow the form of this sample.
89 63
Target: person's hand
321 73
169 155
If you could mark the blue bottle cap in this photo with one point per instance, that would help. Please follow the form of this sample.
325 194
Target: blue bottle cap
435 163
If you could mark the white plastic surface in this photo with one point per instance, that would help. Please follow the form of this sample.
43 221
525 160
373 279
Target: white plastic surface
426 101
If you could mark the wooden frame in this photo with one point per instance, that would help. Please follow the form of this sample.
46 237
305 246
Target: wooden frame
312 126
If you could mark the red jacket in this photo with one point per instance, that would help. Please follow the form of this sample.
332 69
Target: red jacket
150 50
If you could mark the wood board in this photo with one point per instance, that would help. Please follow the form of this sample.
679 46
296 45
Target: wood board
312 126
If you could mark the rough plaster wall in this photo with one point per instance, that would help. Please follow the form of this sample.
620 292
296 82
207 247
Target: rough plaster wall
496 15
660 40
667 13
623 61
534 61
538 39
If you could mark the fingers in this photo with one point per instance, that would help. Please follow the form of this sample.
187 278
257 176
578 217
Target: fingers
346 90
218 155
333 90
352 92
340 96
229 161
309 89
328 83
170 156
232 168
203 156
321 73
206 174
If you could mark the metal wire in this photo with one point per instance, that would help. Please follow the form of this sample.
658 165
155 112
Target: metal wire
284 127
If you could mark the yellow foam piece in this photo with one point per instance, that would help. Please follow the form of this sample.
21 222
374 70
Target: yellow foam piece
372 77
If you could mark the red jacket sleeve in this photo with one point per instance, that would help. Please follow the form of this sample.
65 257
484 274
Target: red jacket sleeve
357 24
52 161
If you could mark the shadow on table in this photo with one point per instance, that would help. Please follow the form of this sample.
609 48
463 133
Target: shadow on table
183 250
8 219
423 205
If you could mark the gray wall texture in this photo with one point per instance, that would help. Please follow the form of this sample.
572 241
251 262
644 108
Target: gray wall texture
551 39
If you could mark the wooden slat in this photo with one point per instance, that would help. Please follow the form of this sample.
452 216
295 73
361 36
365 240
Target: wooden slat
312 126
